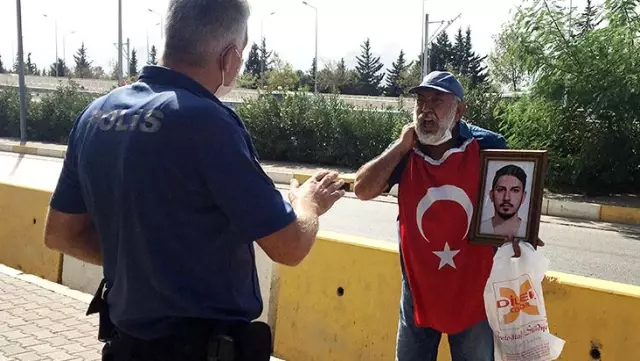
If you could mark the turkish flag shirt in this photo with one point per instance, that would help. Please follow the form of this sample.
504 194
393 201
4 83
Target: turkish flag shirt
446 274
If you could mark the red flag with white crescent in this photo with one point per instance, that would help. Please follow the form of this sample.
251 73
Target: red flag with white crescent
446 274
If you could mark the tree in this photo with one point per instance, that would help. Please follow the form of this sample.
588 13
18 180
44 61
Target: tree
336 78
589 19
2 69
395 75
59 69
153 54
368 70
504 64
441 53
465 62
133 64
412 78
98 72
83 65
29 67
252 66
582 104
475 70
266 61
282 79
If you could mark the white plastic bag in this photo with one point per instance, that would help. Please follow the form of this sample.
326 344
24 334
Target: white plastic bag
515 307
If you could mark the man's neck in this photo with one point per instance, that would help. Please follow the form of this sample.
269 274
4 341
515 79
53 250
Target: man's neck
437 151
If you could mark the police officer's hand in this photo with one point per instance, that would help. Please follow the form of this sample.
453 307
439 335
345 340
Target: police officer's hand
317 194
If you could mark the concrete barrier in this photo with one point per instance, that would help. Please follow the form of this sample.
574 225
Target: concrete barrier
22 217
342 304
86 277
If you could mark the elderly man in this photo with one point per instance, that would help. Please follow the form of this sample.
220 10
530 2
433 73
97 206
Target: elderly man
436 164
161 185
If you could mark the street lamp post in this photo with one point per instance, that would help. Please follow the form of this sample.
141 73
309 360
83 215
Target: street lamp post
262 63
55 22
64 45
119 42
161 22
23 88
315 59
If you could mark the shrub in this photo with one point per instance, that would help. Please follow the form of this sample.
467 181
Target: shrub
319 129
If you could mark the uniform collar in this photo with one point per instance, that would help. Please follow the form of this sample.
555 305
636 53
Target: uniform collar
157 74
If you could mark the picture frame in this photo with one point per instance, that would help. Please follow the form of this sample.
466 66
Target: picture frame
509 200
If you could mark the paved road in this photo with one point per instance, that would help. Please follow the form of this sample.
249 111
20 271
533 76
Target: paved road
600 250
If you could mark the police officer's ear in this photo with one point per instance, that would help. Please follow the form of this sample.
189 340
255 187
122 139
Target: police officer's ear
227 58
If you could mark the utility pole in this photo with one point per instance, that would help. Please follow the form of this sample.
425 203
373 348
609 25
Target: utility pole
425 52
21 82
119 42
128 56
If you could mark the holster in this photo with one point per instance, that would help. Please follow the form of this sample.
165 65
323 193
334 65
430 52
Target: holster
99 305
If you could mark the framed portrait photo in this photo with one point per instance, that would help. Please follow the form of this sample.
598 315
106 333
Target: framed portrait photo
510 196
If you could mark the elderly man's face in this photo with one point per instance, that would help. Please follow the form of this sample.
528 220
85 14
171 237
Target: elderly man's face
434 114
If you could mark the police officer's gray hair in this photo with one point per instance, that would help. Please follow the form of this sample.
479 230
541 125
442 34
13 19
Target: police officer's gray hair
196 30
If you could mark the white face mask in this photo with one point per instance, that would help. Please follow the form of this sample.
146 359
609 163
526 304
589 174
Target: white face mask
223 89
442 135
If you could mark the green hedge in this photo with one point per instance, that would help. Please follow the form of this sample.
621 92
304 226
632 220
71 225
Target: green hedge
319 129
49 119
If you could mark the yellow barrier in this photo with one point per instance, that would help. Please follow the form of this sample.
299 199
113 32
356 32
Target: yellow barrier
615 214
342 304
22 215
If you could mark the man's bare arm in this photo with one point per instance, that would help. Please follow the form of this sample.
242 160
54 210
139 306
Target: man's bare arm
74 235
372 178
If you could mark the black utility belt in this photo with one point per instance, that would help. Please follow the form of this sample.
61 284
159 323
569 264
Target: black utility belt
193 339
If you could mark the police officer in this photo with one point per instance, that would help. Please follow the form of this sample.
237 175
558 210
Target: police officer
161 186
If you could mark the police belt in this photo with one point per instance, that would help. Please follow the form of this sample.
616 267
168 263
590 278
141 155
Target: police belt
192 339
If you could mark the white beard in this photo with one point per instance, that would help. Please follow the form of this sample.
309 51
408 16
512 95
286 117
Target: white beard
442 135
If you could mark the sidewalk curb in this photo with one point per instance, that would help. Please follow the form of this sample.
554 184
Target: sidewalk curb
51 286
550 207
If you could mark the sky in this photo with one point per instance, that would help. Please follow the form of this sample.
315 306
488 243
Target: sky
342 27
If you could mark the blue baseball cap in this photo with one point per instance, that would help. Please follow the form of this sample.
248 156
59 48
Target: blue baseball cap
442 81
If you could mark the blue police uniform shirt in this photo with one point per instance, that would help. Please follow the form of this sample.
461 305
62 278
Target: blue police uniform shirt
171 179
486 140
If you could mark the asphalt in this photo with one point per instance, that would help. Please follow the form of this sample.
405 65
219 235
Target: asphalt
593 249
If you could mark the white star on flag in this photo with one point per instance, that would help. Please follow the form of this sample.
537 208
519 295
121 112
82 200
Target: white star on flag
446 256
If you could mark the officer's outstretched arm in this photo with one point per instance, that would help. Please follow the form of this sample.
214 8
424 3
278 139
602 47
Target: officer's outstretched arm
290 245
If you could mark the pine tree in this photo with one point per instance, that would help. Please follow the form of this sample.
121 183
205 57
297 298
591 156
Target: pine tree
459 53
29 67
475 68
368 71
313 71
266 61
61 68
83 65
589 19
2 69
252 65
465 62
153 56
395 75
133 64
441 53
